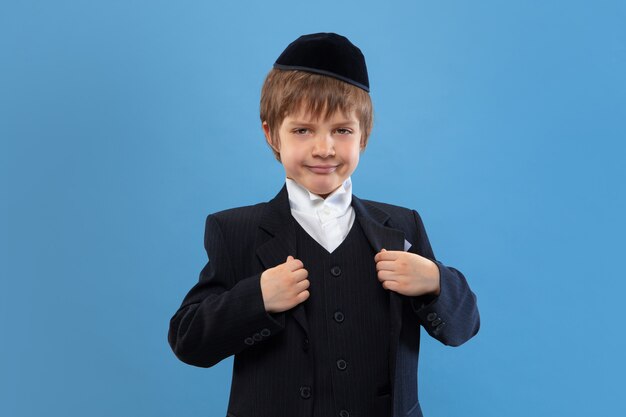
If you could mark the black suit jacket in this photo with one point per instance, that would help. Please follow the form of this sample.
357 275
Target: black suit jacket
224 314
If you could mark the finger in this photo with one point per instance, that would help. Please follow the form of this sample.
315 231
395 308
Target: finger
303 285
295 264
302 296
386 255
300 274
385 266
390 285
387 276
289 258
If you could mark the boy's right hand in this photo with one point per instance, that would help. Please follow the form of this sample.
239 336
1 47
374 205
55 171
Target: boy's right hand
284 286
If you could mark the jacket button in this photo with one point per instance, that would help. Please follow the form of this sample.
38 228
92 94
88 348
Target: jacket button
338 316
436 322
342 365
431 316
257 337
248 341
305 392
305 344
265 332
336 271
344 413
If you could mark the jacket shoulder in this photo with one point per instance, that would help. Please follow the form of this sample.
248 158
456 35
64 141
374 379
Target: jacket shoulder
240 223
239 213
391 209
398 217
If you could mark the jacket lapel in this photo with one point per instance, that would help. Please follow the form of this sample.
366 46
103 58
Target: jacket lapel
279 223
374 223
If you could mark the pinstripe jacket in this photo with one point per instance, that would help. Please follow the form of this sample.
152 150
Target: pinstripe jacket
224 314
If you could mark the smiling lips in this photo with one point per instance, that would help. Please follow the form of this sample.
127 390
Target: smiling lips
322 169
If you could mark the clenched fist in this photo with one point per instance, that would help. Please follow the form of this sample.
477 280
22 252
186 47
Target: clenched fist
407 273
284 286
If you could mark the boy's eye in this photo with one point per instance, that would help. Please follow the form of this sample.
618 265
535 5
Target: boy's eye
301 131
343 131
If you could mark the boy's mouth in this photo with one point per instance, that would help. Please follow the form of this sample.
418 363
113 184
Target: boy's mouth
322 169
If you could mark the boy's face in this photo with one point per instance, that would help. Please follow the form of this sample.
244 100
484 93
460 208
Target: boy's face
318 154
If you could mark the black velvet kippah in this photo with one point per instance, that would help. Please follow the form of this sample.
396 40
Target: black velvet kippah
327 54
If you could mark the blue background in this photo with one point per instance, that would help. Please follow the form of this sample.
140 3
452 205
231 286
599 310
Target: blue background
124 123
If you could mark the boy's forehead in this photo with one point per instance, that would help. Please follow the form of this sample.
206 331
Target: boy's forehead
302 114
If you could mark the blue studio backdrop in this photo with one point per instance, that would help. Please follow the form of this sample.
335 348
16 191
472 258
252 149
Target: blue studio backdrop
124 123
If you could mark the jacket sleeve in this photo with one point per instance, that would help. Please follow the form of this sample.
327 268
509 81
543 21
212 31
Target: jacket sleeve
221 315
451 317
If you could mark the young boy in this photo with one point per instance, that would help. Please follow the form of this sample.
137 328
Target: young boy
317 293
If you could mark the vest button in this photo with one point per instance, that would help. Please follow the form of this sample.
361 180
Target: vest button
305 392
305 344
342 365
344 413
338 316
336 271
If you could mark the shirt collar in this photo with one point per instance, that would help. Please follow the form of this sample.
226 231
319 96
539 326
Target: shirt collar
301 199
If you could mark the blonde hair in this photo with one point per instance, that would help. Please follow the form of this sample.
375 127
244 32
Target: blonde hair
286 92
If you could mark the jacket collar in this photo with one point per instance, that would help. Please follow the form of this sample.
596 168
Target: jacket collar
279 223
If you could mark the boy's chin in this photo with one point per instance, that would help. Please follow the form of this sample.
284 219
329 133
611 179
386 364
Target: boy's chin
324 191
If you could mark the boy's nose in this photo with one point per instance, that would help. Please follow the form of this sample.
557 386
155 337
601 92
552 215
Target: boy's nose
324 147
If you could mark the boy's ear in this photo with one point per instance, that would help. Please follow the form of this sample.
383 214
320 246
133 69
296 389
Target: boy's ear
268 137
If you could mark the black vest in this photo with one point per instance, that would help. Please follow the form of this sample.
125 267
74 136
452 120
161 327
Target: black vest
348 316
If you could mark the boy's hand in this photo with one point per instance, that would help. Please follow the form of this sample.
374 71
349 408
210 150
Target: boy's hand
284 286
407 273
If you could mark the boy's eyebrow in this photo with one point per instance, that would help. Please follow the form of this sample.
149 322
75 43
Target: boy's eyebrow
341 122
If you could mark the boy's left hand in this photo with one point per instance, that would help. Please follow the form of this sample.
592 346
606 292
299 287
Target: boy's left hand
407 273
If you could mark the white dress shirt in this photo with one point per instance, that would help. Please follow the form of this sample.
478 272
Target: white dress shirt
328 220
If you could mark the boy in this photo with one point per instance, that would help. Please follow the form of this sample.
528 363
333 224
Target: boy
317 293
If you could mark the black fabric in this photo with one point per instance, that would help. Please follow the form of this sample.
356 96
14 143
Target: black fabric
273 374
327 54
348 316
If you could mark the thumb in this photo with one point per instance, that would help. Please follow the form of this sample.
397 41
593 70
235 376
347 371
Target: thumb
289 258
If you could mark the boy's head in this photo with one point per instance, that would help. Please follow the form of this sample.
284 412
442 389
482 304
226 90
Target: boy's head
319 78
